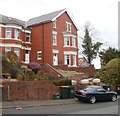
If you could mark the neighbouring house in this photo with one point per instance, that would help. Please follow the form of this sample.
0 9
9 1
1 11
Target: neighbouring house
15 37
51 38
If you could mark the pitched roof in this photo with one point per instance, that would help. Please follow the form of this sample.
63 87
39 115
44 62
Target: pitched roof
35 21
9 20
43 19
47 18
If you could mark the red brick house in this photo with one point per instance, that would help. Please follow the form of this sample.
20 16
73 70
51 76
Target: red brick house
50 38
15 37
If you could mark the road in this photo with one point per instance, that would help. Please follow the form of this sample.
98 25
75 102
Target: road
78 108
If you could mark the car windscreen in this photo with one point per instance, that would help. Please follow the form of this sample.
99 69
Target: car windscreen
89 89
93 88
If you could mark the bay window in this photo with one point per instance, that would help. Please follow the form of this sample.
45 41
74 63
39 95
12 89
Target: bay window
17 51
17 34
8 32
7 49
67 59
73 42
66 41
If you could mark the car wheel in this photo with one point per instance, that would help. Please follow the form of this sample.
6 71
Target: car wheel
114 98
92 99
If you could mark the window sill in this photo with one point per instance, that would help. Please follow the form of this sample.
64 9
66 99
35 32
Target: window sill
39 58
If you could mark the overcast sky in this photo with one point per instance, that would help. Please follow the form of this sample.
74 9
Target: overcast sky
102 14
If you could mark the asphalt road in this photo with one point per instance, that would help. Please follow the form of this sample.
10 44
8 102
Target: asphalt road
79 108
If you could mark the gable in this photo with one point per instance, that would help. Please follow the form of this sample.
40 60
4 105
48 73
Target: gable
68 14
48 18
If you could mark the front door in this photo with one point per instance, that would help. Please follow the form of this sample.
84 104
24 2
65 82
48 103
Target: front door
55 59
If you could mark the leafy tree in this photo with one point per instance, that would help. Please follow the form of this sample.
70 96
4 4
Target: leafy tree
9 67
109 54
12 57
110 74
90 49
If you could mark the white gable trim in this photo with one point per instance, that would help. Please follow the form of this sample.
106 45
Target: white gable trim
65 10
58 15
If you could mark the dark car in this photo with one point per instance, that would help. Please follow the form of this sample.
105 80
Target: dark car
93 94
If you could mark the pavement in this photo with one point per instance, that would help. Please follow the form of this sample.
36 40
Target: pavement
33 103
24 103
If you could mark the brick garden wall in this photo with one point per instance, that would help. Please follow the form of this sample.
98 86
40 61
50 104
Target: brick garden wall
29 90
90 71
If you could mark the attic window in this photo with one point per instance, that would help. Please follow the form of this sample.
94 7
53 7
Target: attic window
68 27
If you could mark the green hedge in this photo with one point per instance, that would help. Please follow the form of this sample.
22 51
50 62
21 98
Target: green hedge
62 82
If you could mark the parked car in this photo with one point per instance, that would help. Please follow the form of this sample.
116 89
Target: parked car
94 94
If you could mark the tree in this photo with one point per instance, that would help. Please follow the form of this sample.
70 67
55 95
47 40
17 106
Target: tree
109 54
90 49
110 74
9 65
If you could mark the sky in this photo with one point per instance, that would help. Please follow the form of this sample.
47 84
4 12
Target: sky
102 14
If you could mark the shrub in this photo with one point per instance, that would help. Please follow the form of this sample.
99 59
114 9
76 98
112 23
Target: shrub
20 77
64 82
34 66
9 67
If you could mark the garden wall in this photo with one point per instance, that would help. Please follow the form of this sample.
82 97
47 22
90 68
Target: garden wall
29 90
90 71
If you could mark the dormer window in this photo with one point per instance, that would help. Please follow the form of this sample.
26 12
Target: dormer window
54 24
68 27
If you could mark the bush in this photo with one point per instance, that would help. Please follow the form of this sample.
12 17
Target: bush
34 66
20 77
9 67
64 82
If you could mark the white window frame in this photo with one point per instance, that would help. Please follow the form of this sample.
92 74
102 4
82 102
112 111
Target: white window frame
54 37
66 58
17 33
54 23
8 32
39 55
7 49
66 41
68 27
73 41
27 36
17 51
74 60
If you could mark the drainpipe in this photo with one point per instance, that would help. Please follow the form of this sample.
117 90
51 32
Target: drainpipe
43 43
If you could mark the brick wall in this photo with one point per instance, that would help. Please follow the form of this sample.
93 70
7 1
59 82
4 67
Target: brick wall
29 90
90 71
52 72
